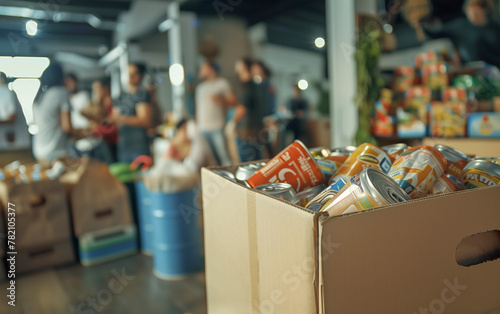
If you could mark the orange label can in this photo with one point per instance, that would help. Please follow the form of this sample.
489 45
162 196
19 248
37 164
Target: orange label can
417 169
294 165
364 157
443 185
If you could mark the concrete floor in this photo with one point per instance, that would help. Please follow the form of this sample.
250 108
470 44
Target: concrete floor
87 290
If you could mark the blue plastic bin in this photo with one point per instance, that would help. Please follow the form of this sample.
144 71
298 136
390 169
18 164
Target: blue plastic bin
176 234
144 217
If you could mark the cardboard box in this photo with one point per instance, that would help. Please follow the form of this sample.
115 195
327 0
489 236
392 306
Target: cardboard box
485 147
44 255
97 199
41 211
265 255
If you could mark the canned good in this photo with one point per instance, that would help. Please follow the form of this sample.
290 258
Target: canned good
320 152
243 173
455 160
404 77
495 160
226 174
328 167
456 181
480 173
443 185
282 191
394 147
365 156
347 150
294 165
323 198
369 189
308 195
417 169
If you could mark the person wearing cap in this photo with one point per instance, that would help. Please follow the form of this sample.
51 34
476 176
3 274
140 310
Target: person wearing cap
213 96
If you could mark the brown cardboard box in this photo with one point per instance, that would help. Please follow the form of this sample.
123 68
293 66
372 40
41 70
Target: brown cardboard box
44 256
97 199
265 255
41 211
485 147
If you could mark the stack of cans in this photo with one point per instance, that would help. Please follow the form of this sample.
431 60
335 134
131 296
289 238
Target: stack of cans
349 179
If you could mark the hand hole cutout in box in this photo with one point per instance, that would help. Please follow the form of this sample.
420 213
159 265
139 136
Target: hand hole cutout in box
478 248
36 201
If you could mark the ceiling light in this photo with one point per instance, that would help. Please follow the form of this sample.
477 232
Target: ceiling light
319 42
31 27
302 84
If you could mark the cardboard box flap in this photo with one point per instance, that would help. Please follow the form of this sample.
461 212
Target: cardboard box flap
268 249
416 268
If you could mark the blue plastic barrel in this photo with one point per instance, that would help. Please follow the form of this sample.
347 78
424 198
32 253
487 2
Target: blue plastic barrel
176 234
144 217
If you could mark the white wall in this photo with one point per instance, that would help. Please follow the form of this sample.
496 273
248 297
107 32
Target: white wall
288 66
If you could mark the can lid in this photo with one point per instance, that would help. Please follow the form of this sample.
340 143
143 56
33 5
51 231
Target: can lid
484 165
394 147
226 174
451 154
346 149
382 188
246 171
274 187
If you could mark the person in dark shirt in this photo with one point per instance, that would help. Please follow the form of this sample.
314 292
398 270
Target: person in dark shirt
298 107
132 113
248 115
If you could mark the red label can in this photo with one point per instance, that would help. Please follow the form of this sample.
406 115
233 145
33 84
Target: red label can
294 165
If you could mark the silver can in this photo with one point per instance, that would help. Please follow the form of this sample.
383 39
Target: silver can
451 154
495 160
283 191
226 174
345 150
394 147
246 171
308 195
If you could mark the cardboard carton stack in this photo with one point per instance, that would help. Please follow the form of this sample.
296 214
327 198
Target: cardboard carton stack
43 234
102 219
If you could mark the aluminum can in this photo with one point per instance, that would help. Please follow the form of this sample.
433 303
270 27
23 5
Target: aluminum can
282 191
495 160
338 158
394 147
294 165
365 156
455 160
226 174
417 169
320 152
243 173
443 185
328 167
480 173
308 195
369 189
347 150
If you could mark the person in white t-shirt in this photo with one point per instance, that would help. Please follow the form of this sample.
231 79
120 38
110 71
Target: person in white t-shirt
212 98
78 100
51 114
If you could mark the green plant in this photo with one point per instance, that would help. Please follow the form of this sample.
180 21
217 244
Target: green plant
369 82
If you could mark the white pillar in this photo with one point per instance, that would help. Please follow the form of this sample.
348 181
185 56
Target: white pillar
175 54
123 60
341 43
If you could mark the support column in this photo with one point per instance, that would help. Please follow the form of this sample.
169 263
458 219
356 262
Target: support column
341 45
175 55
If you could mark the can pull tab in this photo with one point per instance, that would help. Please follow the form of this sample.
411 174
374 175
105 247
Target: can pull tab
478 248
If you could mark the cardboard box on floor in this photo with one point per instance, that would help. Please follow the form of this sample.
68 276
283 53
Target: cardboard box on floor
97 199
44 256
41 212
265 255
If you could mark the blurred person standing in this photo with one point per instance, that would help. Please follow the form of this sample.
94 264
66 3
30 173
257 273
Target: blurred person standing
213 95
265 95
248 117
78 100
298 106
133 115
52 116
